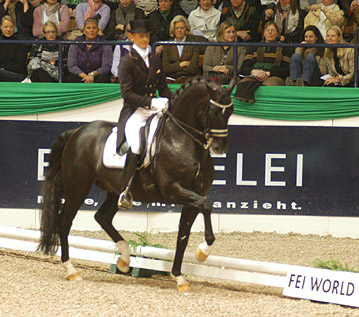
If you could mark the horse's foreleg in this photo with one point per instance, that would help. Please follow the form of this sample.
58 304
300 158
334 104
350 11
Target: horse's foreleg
205 248
188 216
104 217
191 198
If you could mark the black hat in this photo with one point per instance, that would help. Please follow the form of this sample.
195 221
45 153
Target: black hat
140 26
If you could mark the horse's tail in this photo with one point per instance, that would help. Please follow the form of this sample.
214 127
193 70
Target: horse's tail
52 193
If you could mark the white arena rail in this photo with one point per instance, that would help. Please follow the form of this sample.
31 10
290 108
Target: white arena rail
257 272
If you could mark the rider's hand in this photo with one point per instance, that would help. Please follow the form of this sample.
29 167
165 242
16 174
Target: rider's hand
159 104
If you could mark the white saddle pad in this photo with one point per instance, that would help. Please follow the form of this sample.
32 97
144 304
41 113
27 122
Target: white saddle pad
112 160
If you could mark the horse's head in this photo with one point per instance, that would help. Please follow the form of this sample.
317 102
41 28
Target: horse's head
202 109
215 115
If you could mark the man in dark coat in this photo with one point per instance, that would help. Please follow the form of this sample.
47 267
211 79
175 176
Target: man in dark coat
140 75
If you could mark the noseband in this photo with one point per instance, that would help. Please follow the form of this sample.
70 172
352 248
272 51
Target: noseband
208 133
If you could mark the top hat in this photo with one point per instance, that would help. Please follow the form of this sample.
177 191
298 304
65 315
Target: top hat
140 26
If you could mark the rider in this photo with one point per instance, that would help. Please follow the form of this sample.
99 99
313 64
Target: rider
140 75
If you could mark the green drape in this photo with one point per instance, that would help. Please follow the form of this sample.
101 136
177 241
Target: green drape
278 103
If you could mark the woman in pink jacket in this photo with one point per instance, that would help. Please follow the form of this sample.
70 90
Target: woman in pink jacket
53 11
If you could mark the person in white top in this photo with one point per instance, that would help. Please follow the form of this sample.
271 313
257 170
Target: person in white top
205 20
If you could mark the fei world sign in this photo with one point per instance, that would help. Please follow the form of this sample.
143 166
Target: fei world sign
267 170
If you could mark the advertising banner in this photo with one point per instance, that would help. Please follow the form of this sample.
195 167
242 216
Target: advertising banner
281 170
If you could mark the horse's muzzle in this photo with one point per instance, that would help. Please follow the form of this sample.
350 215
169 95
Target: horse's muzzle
219 146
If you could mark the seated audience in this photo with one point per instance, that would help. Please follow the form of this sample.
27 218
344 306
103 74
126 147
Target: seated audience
93 9
305 63
147 6
119 52
51 10
339 61
205 20
290 20
325 15
188 6
218 60
89 63
306 4
180 61
160 20
268 66
43 65
121 17
244 18
22 13
12 56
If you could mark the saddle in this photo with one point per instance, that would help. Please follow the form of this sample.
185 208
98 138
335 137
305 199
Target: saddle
148 135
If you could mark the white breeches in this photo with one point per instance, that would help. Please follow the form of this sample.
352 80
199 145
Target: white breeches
133 126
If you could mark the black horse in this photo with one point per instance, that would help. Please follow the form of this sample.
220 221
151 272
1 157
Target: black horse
181 173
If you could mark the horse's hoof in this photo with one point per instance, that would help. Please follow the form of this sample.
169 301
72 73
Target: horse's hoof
200 256
124 267
184 288
74 277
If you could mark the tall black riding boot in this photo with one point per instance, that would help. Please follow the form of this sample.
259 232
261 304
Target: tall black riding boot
125 200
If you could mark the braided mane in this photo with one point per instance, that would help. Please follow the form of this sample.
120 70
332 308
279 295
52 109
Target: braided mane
186 85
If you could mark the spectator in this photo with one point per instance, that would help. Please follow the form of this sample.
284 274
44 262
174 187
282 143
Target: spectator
119 52
22 13
305 63
44 58
268 66
188 6
339 61
121 17
180 61
160 20
51 10
89 63
325 15
12 56
244 18
147 6
218 60
205 20
91 9
290 20
306 4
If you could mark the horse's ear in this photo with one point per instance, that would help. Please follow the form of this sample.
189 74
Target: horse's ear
211 85
231 85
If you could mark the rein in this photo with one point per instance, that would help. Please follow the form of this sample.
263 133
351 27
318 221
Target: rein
208 134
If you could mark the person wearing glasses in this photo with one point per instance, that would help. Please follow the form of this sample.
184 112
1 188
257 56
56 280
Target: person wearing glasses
51 10
43 64
12 56
268 66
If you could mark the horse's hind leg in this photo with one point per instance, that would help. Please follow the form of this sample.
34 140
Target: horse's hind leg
104 217
188 216
74 195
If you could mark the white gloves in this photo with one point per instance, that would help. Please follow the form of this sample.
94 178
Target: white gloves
159 104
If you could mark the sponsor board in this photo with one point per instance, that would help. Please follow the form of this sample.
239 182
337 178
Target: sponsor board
323 286
268 170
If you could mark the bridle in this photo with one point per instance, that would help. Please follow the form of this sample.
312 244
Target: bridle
208 133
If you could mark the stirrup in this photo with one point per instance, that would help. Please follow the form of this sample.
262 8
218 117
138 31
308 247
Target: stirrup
125 200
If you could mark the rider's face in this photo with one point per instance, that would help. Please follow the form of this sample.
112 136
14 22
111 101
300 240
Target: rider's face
140 39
